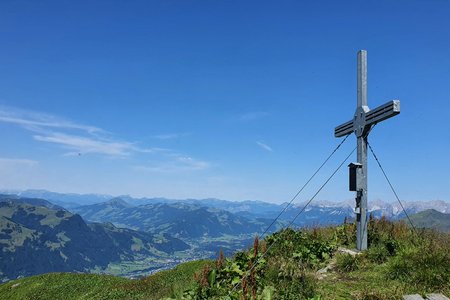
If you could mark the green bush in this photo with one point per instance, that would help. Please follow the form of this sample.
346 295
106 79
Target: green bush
389 234
377 254
345 234
346 262
293 281
303 287
308 247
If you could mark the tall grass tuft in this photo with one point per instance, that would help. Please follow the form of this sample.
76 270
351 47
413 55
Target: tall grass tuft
426 266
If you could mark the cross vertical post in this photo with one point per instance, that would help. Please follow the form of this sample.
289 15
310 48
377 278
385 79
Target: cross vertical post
361 195
363 120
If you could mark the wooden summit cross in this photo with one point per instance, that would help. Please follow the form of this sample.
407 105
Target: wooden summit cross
364 119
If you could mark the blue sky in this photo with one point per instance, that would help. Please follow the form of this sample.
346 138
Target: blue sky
227 99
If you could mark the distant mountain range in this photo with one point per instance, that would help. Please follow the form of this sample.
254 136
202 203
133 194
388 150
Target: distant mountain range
215 217
380 208
244 208
66 200
38 237
249 207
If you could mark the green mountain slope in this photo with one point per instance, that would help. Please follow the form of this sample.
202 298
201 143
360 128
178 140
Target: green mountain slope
178 219
432 219
38 239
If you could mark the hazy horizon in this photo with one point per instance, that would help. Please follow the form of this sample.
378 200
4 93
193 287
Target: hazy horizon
301 201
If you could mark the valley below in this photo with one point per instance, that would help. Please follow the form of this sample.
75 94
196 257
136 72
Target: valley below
134 238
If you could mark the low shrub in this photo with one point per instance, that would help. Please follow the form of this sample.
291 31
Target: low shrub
293 281
346 262
377 254
345 234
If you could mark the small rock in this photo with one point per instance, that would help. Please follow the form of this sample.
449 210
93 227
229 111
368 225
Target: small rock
348 251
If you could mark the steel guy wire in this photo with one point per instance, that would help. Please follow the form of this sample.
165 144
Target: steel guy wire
293 220
392 188
304 186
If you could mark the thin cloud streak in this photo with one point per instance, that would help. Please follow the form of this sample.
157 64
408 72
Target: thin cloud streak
18 161
85 140
254 115
191 163
79 139
170 136
175 163
36 121
87 145
264 146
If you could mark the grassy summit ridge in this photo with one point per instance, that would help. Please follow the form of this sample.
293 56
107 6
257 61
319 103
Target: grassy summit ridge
398 262
67 286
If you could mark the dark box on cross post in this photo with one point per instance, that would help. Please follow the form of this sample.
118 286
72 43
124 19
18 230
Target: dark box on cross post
355 177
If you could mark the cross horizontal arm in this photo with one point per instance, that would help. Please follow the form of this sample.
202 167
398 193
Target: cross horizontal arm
383 112
344 129
372 117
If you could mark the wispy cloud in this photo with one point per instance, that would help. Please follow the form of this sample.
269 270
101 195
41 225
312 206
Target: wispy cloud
85 145
38 121
253 115
75 137
178 163
17 162
264 146
191 163
78 139
170 136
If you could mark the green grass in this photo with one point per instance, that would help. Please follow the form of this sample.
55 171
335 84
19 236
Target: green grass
368 282
126 267
372 281
171 283
63 286
68 286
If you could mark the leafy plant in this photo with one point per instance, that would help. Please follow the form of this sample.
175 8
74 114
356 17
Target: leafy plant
308 247
346 262
345 234
294 281
377 254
